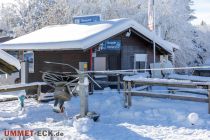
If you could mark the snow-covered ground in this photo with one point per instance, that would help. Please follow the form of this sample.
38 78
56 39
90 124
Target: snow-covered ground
148 118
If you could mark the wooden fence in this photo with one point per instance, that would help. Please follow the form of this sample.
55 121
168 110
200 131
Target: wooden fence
128 92
17 87
116 74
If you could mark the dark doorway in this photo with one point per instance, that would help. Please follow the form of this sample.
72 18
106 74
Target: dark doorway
114 62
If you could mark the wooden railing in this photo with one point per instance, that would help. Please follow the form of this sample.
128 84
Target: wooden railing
116 74
25 86
128 92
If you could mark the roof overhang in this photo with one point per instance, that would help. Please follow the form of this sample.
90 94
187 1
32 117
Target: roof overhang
8 63
48 38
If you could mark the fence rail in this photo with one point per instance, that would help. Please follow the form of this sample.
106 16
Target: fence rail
128 92
17 87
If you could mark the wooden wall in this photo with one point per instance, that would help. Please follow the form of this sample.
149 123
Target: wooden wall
69 57
134 45
130 46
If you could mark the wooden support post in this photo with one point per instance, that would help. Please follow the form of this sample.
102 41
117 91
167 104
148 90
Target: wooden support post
83 93
91 85
83 90
209 99
24 72
39 89
129 94
118 83
125 94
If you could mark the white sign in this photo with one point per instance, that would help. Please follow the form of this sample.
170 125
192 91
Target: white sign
86 19
29 57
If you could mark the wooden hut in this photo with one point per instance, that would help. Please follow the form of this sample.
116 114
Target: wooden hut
109 45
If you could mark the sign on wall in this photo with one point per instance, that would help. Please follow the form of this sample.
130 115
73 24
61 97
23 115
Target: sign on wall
86 19
110 45
29 57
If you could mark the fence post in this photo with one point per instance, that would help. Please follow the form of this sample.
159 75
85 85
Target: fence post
24 72
209 99
83 93
125 93
39 89
129 93
92 85
118 83
83 89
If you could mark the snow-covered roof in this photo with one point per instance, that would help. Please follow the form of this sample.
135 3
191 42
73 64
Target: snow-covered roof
80 36
8 63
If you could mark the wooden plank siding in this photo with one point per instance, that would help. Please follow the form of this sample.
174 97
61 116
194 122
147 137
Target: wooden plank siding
133 45
130 46
64 56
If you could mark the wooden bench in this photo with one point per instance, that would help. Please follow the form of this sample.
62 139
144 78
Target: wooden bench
128 92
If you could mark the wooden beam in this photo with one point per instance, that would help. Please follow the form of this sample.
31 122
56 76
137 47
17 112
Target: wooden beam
14 98
83 94
209 99
189 90
8 99
125 93
16 87
129 94
39 90
169 96
107 82
118 83
173 83
164 84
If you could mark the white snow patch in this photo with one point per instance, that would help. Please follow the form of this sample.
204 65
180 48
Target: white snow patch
147 118
136 77
82 125
167 132
4 125
49 120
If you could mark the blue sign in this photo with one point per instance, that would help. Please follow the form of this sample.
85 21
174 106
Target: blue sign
86 19
111 45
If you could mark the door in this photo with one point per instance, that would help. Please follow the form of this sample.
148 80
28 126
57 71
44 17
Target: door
114 62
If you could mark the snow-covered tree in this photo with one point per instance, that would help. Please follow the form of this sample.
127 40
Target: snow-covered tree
25 16
172 16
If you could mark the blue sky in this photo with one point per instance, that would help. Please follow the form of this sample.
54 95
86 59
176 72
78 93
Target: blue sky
202 11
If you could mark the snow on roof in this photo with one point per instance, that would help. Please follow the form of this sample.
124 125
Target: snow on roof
79 36
9 59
